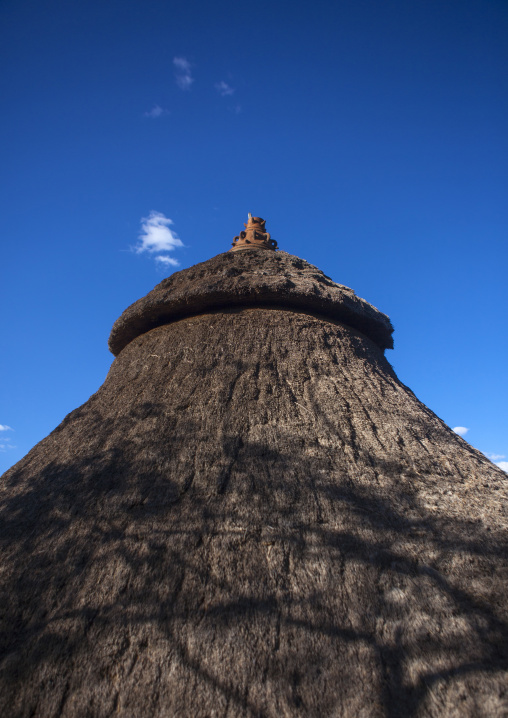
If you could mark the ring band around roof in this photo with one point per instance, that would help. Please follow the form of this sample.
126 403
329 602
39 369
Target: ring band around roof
254 278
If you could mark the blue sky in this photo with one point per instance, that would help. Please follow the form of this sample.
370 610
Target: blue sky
371 134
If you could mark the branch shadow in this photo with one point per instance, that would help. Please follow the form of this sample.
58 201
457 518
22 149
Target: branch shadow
119 548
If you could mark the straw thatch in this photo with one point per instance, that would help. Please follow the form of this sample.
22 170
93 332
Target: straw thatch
253 517
255 277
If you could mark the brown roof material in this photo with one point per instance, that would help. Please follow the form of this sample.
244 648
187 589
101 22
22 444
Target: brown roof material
251 278
252 517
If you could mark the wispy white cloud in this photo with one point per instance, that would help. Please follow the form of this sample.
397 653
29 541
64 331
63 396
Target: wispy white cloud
5 444
156 236
155 112
169 261
224 89
183 73
460 430
4 427
495 458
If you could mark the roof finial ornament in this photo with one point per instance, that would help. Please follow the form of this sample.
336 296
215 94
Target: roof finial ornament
254 236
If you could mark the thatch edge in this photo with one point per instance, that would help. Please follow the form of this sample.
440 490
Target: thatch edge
246 279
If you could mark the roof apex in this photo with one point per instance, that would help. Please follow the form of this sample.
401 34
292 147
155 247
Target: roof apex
254 236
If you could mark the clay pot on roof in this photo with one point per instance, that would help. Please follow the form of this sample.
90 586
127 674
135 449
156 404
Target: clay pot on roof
253 516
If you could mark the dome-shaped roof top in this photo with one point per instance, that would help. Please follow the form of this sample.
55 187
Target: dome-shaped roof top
250 278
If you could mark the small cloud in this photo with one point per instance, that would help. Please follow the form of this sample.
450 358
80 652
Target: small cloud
183 73
502 465
224 89
156 111
495 457
4 427
168 261
460 430
238 110
6 444
156 236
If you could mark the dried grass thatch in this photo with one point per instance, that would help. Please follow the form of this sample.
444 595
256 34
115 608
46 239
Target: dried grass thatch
255 277
252 517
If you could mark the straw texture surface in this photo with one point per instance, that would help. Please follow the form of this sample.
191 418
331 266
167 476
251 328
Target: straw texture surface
253 517
251 277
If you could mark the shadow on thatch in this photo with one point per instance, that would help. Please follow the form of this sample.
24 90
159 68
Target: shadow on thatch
239 578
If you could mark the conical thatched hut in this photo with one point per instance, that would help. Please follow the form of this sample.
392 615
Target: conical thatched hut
253 517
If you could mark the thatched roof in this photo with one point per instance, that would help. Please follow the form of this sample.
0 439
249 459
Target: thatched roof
255 277
252 517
